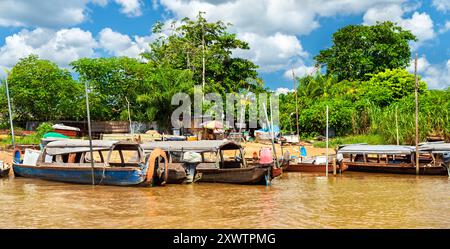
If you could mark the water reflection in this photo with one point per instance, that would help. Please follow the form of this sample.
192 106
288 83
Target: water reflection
295 200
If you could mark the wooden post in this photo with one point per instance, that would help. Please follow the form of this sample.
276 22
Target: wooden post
272 136
296 103
10 113
129 118
326 133
396 124
90 134
334 167
416 86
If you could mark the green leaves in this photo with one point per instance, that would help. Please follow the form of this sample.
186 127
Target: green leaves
42 91
359 50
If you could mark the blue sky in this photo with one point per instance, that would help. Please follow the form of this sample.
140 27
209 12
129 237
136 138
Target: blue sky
282 34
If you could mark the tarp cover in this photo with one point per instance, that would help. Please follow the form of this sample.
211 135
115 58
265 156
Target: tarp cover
196 146
77 145
376 149
435 147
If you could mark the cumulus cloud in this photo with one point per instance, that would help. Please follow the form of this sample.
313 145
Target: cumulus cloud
56 13
118 44
271 27
272 52
436 76
62 46
130 7
445 28
299 71
420 24
283 90
442 5
66 45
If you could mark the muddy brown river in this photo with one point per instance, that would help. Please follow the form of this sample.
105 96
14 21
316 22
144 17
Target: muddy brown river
352 200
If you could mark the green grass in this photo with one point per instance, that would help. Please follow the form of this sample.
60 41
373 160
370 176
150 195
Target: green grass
353 139
30 139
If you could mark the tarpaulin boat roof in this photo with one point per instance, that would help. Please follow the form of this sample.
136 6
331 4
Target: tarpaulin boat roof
376 149
196 146
435 147
65 127
77 145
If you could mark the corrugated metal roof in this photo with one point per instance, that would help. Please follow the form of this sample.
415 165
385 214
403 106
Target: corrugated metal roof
80 143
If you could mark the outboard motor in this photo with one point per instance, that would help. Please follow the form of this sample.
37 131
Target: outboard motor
191 160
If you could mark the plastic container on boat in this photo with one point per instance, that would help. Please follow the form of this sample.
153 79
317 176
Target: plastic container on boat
265 156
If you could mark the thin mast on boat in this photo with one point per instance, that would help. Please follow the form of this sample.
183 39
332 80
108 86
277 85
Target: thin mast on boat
10 111
326 135
89 131
416 86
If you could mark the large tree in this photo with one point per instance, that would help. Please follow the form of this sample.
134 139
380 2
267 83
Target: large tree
42 91
358 50
191 41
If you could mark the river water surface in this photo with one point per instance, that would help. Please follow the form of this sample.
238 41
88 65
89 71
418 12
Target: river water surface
352 200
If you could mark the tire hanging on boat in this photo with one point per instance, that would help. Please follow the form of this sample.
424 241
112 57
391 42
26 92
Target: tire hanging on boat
158 168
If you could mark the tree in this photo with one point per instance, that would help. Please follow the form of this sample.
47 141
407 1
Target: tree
359 50
193 40
112 81
148 87
42 91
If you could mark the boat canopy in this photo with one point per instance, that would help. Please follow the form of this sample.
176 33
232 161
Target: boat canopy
435 147
377 149
77 145
195 146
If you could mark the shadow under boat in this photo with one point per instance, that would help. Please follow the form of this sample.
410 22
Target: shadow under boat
115 163
219 161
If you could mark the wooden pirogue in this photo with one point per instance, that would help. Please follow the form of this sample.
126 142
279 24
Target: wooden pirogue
214 161
433 158
115 163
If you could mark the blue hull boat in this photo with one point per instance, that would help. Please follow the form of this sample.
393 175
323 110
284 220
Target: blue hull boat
128 176
115 163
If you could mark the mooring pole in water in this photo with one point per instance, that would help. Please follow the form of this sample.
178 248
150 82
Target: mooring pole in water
396 124
272 137
326 135
10 113
89 131
416 86
129 117
296 104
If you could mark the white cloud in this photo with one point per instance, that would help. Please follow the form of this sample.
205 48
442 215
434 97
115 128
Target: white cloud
61 46
299 71
56 13
66 45
442 5
130 7
420 24
445 28
283 90
272 52
271 27
122 45
436 76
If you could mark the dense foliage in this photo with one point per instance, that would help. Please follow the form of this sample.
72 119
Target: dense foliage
359 50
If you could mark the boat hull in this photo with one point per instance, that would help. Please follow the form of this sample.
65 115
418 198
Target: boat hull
310 167
249 175
395 169
4 172
125 176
